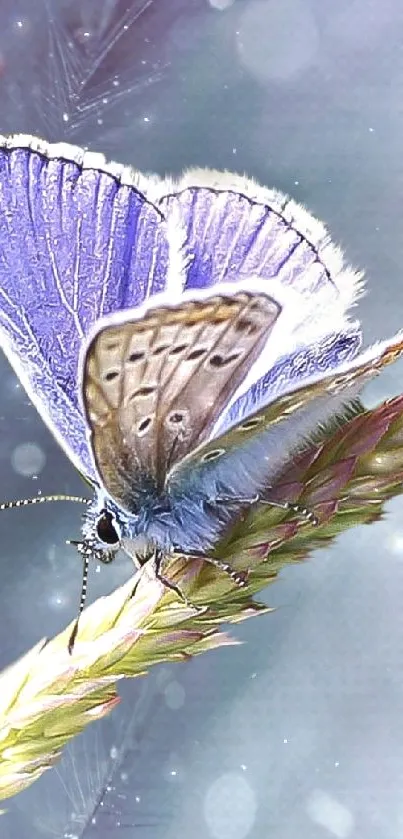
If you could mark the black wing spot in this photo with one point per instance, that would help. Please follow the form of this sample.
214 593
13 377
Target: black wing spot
248 425
195 354
144 425
178 349
135 356
219 361
142 392
160 349
113 374
214 455
245 325
176 417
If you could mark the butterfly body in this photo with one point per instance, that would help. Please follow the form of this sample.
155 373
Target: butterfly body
186 523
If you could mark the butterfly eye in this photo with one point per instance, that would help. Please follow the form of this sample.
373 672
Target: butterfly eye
106 530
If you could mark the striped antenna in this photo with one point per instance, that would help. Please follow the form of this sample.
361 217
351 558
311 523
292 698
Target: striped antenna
48 499
43 499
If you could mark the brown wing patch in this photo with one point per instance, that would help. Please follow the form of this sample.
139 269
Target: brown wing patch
153 388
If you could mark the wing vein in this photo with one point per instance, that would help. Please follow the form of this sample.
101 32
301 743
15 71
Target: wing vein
203 328
59 285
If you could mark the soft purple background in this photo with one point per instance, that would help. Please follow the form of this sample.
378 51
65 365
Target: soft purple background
297 733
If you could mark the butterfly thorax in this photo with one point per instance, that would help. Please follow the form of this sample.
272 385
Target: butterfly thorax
169 520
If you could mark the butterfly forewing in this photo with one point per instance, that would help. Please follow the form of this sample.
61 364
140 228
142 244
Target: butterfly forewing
78 240
153 387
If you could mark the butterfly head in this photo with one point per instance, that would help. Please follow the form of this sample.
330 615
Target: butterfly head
102 530
101 542
108 527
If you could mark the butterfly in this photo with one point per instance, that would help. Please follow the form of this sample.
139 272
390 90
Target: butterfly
182 339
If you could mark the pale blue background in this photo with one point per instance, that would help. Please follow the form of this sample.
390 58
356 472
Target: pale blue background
297 734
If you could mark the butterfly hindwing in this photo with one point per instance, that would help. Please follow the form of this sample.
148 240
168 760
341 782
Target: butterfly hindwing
153 386
292 371
248 457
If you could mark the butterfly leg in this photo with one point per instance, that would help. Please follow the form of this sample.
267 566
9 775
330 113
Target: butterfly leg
299 509
157 557
239 577
158 560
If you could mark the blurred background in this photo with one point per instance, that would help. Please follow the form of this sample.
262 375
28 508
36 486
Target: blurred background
298 732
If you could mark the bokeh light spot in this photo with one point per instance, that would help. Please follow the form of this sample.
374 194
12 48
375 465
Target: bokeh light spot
28 459
330 814
230 807
277 41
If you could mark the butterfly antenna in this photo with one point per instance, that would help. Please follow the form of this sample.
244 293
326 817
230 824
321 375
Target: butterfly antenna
83 597
47 499
43 499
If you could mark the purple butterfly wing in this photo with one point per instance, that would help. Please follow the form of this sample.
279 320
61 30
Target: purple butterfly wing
234 230
326 355
78 240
